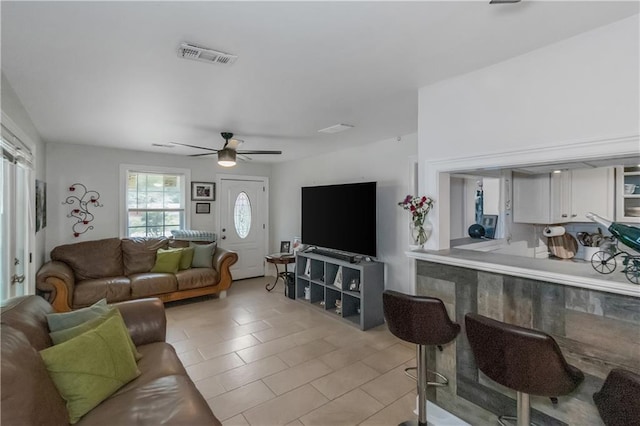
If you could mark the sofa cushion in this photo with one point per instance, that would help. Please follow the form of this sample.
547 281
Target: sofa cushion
114 289
139 254
168 400
203 255
29 396
168 260
63 320
196 278
62 336
89 368
28 314
187 258
92 259
151 284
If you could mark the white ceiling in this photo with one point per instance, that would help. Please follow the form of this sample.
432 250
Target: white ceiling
107 73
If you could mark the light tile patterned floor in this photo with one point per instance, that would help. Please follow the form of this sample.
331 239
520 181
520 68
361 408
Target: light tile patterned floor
260 358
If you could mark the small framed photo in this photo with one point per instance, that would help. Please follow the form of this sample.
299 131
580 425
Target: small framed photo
285 246
203 191
203 208
489 222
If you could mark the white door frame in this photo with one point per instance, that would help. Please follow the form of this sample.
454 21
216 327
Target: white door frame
265 180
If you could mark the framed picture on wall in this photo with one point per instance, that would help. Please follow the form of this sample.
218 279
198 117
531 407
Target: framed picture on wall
203 208
203 191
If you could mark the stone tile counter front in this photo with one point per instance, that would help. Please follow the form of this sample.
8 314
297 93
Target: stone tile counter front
596 331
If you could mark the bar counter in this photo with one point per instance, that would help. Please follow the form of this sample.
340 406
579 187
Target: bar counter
594 318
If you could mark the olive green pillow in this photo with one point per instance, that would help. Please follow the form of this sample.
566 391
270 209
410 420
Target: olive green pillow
62 336
167 261
203 254
187 258
89 368
64 320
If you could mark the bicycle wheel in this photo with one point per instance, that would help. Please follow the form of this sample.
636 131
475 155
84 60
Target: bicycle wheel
603 262
632 271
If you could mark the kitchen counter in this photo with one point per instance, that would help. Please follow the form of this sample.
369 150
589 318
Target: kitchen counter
574 273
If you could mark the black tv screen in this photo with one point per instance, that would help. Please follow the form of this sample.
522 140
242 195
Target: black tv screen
340 217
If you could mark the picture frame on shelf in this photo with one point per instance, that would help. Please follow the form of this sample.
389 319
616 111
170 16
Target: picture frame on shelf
489 222
203 191
285 246
203 208
337 282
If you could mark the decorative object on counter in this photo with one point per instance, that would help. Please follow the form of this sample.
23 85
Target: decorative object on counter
563 246
553 231
479 203
489 223
476 231
81 202
604 261
41 205
419 207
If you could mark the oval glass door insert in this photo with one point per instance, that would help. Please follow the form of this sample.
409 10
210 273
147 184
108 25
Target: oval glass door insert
242 215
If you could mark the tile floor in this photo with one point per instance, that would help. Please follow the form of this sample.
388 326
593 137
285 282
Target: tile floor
260 358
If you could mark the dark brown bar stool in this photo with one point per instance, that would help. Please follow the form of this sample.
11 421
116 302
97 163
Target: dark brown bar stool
618 401
423 321
525 360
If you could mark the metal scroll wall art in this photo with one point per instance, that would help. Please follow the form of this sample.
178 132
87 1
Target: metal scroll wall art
82 201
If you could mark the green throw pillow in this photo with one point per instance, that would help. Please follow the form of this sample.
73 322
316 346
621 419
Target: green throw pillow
89 368
187 258
202 255
62 336
66 320
167 261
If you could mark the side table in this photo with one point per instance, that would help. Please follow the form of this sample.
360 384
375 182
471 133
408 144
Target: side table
280 259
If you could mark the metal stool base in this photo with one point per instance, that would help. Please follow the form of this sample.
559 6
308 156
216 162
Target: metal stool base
412 423
524 412
444 381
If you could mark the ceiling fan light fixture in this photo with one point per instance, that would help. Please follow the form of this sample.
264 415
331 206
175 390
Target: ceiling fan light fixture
227 157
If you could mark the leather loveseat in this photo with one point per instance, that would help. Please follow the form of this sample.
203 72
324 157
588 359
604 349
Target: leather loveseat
117 269
162 394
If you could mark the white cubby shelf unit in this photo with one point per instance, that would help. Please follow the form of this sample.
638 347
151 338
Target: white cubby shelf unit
361 308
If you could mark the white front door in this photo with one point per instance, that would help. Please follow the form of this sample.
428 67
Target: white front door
243 223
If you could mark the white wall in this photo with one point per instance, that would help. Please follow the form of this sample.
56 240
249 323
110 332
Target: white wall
387 162
99 168
12 107
580 89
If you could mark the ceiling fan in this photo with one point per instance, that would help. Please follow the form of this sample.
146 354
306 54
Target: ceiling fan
227 155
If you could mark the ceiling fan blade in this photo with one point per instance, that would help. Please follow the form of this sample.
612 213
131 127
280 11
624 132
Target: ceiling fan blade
244 157
194 146
202 155
259 152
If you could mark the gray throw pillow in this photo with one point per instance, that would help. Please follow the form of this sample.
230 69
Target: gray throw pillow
64 320
202 255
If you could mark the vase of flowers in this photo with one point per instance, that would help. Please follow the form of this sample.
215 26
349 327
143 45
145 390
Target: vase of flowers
419 207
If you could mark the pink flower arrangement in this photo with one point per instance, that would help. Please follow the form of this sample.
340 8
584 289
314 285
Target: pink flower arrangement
418 206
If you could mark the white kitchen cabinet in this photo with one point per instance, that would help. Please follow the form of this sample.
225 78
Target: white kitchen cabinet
563 197
628 202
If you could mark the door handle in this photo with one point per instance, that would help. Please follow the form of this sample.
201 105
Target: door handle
224 229
224 237
564 215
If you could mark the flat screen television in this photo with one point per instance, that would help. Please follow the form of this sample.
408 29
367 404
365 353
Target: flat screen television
340 217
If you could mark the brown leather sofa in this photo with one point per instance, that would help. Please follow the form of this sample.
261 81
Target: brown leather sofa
117 269
162 394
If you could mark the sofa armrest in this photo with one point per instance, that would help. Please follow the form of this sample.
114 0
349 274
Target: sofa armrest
222 261
57 279
145 320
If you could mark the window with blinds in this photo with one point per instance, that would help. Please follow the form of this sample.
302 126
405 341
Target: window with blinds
155 203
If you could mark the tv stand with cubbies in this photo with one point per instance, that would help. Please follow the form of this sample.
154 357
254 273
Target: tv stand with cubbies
360 308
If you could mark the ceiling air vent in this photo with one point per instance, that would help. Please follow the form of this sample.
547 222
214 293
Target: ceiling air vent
197 53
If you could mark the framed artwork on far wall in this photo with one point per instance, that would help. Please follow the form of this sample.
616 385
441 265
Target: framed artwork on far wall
489 222
203 191
203 208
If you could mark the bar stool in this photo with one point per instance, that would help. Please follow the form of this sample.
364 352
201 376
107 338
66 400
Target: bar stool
525 360
618 400
423 321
